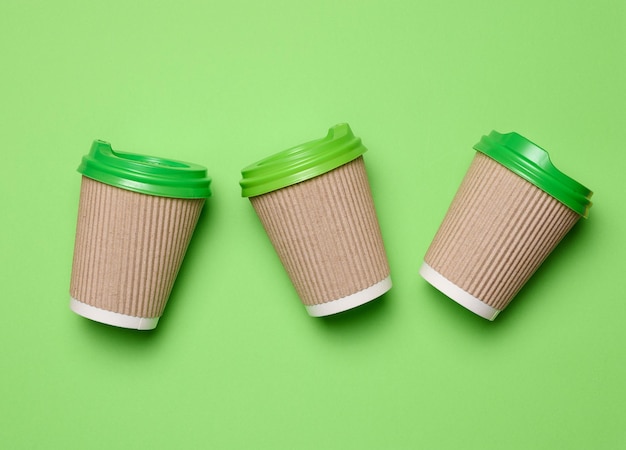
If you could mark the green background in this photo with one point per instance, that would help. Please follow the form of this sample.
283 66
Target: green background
235 361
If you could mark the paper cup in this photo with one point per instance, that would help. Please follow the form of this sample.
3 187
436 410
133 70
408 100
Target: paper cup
511 210
315 203
136 216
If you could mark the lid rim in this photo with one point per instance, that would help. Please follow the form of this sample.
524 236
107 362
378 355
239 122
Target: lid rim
301 162
145 174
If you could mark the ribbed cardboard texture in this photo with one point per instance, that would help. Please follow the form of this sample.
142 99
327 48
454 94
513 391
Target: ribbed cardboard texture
129 248
497 232
326 233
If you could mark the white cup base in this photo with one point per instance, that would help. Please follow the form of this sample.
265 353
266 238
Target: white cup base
457 294
112 318
350 301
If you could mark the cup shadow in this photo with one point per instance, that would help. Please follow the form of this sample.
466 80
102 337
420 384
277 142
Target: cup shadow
456 315
362 316
114 336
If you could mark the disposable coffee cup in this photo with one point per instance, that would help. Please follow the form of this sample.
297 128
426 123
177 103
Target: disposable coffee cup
136 216
511 210
315 203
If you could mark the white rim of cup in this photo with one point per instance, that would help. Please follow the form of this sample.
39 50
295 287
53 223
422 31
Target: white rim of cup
458 294
350 301
112 318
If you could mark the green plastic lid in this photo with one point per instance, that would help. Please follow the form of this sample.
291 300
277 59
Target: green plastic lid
302 163
532 163
145 174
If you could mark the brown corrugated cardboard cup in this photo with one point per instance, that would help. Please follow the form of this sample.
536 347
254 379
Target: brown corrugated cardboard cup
498 230
326 234
128 250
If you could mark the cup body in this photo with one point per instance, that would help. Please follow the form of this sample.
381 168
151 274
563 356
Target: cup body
498 230
136 217
129 248
326 234
324 227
